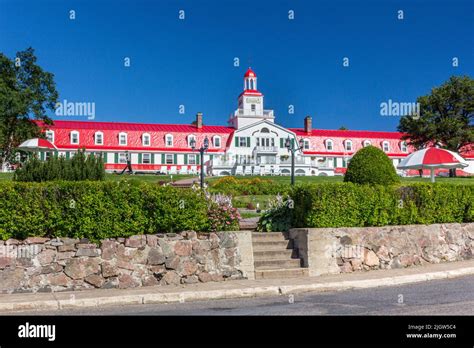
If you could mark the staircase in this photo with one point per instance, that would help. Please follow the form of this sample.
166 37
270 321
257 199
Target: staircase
274 256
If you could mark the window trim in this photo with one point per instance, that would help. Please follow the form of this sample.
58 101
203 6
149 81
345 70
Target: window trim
52 135
74 132
126 138
95 137
192 155
166 140
403 147
146 135
346 142
327 142
149 157
214 138
367 143
306 141
166 158
189 138
385 142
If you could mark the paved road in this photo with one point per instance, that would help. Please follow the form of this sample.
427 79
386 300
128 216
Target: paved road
439 297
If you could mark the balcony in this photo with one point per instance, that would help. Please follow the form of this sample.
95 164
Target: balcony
297 161
266 149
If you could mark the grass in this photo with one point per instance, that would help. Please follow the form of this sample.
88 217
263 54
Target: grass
242 201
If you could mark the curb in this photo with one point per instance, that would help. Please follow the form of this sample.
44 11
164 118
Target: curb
55 303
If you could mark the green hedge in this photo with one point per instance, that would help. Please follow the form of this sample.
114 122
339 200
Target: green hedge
352 205
242 187
97 210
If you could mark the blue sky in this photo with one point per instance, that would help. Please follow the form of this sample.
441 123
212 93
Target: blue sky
190 62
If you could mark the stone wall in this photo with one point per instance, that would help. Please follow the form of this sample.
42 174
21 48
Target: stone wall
341 250
44 265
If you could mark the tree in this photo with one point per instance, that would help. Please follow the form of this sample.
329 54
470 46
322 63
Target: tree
445 117
26 93
370 165
343 128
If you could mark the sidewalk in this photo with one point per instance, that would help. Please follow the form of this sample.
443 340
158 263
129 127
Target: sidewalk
231 289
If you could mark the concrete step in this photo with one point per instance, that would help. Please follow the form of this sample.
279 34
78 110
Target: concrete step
281 273
274 254
272 245
269 236
277 264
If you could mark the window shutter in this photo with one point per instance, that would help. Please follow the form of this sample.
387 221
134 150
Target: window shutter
248 141
175 161
236 141
140 158
211 157
42 155
152 158
281 143
185 158
104 157
335 162
198 159
67 154
163 158
116 159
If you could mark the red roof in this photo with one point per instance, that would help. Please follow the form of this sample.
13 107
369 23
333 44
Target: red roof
125 126
251 92
347 133
250 73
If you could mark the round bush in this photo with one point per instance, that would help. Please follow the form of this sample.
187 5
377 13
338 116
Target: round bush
371 165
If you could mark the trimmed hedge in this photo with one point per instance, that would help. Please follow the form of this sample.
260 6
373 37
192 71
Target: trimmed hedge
97 210
371 165
243 187
352 205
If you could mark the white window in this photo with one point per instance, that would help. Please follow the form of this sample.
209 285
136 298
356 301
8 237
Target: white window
242 141
122 138
252 107
75 137
348 145
169 158
146 158
367 143
191 138
216 141
50 136
122 158
192 159
146 139
403 146
306 144
329 145
386 146
168 140
99 138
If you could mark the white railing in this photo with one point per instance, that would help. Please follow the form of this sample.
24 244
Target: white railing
266 148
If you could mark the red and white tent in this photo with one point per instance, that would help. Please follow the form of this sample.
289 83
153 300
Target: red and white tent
432 158
36 144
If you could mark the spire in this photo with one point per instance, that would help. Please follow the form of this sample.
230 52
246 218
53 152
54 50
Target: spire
250 80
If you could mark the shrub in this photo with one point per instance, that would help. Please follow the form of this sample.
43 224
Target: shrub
371 165
80 167
253 186
350 205
222 216
278 218
97 210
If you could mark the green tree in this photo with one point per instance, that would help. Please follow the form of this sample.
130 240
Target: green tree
26 93
445 117
370 165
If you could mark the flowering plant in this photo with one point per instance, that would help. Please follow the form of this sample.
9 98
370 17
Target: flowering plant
222 215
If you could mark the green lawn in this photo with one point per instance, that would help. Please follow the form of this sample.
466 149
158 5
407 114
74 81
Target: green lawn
242 201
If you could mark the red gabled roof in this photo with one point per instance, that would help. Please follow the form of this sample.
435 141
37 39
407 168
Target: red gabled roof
251 92
347 133
144 127
250 73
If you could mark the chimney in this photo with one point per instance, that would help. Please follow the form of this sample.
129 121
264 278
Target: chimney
308 123
199 120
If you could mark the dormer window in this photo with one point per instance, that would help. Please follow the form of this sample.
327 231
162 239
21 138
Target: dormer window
168 140
216 141
348 145
329 145
403 146
367 143
122 138
146 139
50 136
386 146
99 138
305 144
75 138
191 139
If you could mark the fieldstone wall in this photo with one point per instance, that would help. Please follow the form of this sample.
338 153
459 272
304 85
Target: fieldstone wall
343 250
45 265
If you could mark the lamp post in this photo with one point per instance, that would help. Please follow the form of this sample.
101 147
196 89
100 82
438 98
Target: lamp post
201 150
290 145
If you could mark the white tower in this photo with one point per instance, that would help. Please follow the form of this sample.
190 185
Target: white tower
250 104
